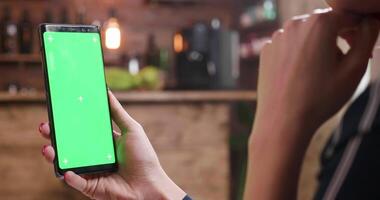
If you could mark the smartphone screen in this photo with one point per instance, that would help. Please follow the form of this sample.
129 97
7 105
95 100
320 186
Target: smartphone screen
79 109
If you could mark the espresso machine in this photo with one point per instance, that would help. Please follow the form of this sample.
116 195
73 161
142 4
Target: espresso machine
208 59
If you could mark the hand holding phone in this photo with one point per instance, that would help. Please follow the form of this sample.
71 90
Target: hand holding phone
80 128
140 175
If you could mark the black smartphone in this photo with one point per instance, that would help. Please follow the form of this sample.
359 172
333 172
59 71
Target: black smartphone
77 99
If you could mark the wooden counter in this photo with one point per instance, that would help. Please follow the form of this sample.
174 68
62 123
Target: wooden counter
189 131
150 97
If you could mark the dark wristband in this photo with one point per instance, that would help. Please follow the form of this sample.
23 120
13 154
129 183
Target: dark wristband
187 198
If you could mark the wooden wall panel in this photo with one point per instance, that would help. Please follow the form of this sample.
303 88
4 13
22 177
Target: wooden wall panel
191 141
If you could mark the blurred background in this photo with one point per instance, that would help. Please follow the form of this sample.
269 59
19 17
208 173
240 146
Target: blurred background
186 69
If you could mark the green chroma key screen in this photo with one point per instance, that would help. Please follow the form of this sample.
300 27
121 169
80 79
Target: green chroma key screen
78 99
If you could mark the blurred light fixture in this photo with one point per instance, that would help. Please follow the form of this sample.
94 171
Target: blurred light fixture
178 43
112 31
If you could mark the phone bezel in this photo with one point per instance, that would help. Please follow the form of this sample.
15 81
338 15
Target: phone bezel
105 168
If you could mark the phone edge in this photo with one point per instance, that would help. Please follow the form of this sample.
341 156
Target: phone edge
59 173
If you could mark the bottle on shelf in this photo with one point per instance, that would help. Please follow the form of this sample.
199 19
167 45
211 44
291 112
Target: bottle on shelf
64 16
48 17
134 65
152 55
8 32
81 16
13 88
25 36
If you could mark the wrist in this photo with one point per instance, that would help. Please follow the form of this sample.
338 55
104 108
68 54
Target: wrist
168 189
160 186
276 120
283 129
276 149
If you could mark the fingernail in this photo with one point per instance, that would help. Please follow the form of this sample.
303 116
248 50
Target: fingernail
43 149
40 127
67 175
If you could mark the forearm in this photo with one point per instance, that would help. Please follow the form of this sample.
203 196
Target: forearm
296 94
276 152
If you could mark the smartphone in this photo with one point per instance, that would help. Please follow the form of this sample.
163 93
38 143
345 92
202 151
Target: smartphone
77 100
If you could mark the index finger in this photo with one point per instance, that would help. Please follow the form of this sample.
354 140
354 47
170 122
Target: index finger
123 120
342 21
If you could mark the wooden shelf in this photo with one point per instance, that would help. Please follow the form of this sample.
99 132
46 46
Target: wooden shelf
20 58
186 96
36 59
150 97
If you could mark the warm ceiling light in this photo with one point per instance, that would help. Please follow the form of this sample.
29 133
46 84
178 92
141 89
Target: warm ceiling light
112 33
178 43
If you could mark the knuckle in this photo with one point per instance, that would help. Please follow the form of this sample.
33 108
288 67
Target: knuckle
315 17
139 127
292 23
289 23
300 17
266 46
296 20
321 22
91 188
277 33
321 19
87 190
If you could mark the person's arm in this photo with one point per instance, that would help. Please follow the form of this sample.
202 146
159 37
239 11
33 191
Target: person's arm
304 79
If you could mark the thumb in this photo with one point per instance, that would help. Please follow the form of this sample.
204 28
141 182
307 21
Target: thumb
75 181
123 120
356 60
